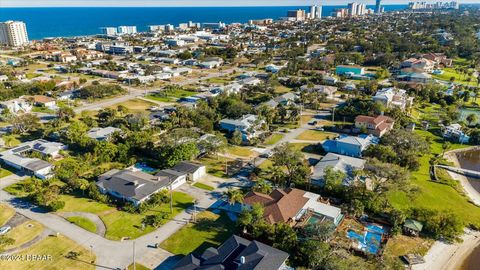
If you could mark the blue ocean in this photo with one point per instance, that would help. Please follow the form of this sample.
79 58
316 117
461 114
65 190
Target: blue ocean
67 22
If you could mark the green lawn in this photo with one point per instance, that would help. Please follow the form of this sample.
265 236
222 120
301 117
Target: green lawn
85 223
459 77
400 245
138 267
58 248
24 233
42 109
210 231
122 224
4 172
239 151
171 95
6 213
433 195
215 167
316 135
274 138
135 105
118 223
203 186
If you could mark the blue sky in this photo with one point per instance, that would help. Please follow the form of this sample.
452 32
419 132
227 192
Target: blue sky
113 3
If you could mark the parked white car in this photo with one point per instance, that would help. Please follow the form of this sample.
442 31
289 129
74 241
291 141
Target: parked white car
5 229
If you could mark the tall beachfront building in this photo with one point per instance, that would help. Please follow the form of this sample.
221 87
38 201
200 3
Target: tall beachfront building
13 33
378 6
127 30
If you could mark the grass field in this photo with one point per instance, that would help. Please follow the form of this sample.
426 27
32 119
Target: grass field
138 267
274 138
122 224
400 245
433 195
280 89
459 77
58 248
6 213
316 135
239 151
4 172
203 186
24 233
215 167
172 95
210 231
118 223
135 105
84 223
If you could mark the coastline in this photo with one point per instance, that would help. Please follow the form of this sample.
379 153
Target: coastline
446 256
470 191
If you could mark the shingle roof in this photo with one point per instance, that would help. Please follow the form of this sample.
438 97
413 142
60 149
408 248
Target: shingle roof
187 167
255 256
280 205
136 185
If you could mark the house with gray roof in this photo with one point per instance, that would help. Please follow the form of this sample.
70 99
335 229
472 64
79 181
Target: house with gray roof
236 253
18 157
135 187
345 164
102 134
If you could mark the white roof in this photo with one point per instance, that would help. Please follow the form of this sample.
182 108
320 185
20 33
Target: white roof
319 207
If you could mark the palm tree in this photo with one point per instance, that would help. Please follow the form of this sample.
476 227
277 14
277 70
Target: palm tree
263 186
234 196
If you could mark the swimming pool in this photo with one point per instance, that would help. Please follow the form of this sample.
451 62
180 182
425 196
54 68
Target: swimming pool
370 241
144 168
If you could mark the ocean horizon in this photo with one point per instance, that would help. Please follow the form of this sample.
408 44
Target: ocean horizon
47 22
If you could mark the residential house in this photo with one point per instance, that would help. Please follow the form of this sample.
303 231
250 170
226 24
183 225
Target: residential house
454 132
393 97
419 65
17 105
376 126
440 59
349 145
193 171
18 157
236 253
175 177
284 100
293 205
44 101
3 78
345 164
349 70
248 125
329 91
102 134
135 187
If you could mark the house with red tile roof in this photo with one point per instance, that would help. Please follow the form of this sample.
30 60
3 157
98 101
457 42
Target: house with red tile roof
291 205
378 125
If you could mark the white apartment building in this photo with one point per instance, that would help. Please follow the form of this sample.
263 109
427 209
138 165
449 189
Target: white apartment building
127 30
109 31
13 33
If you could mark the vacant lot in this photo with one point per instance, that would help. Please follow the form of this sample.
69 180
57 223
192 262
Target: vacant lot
84 223
316 135
24 233
209 231
6 212
135 105
274 138
58 248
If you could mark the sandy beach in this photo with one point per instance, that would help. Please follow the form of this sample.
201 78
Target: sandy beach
444 256
470 191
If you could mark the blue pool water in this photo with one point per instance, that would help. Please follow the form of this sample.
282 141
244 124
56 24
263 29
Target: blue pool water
370 241
144 168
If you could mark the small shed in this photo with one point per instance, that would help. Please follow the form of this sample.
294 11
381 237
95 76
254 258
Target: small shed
412 227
